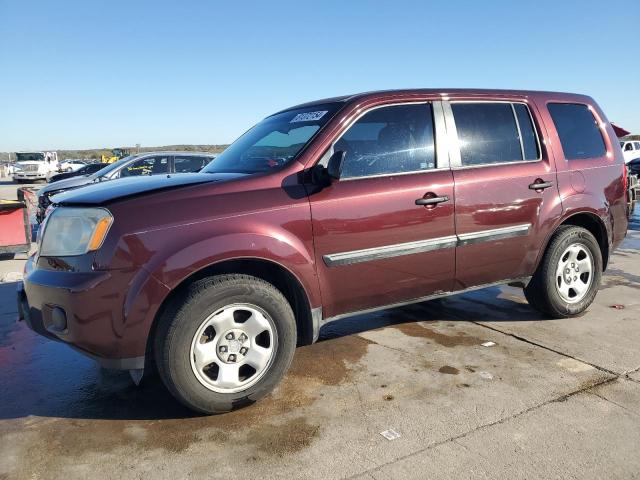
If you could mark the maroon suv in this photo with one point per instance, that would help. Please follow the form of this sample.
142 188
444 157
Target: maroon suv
325 210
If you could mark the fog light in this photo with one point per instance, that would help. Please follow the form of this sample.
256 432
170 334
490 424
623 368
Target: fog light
58 319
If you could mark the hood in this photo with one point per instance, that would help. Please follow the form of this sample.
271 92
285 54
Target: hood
65 184
104 192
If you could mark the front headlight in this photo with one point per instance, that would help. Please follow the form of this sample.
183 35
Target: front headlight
74 231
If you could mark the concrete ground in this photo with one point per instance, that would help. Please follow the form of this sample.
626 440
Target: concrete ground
551 399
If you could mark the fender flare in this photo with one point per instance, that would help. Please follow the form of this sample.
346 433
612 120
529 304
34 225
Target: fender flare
156 281
567 215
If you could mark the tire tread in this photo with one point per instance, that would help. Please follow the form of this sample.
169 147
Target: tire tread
540 292
172 320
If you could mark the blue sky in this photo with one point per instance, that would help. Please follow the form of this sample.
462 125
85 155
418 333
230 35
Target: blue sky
86 74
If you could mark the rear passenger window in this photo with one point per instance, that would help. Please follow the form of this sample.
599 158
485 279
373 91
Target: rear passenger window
578 131
388 140
189 163
494 133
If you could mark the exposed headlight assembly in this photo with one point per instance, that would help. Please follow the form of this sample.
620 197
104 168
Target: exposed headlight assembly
74 231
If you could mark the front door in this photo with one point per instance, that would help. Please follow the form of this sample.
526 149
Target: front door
384 232
506 190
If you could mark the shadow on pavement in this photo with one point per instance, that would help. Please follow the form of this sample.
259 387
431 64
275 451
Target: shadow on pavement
48 379
487 305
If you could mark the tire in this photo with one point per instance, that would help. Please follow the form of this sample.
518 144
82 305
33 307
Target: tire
200 318
549 292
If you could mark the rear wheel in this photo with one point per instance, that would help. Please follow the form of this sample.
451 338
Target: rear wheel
226 344
568 278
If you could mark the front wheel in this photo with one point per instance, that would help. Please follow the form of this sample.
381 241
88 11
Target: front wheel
226 343
568 278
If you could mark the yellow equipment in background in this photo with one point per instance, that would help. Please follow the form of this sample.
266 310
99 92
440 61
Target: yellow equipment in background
117 154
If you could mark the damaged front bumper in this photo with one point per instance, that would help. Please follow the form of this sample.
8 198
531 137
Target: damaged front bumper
54 306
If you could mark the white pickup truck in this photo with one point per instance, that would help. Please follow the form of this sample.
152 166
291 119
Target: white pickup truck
31 166
630 149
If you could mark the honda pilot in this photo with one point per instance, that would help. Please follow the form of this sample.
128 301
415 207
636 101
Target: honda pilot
325 210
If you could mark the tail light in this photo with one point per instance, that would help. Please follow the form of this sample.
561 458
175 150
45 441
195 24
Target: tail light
625 175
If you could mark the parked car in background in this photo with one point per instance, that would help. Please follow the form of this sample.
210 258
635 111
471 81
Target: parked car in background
85 170
70 165
143 164
634 166
33 166
630 149
326 210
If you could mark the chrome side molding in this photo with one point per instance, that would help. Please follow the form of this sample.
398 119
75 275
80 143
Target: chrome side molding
389 251
494 234
400 249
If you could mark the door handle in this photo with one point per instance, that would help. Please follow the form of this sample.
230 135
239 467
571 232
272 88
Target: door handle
431 200
540 184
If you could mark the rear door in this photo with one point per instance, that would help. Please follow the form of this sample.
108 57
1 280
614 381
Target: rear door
189 163
505 187
384 232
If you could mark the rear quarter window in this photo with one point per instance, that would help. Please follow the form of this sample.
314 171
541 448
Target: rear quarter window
578 131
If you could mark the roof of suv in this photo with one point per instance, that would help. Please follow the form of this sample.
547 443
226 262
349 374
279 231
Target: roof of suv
440 91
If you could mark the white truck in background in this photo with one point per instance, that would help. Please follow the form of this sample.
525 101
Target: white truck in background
32 166
630 149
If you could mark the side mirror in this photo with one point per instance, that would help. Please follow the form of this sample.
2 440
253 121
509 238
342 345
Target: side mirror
324 176
334 166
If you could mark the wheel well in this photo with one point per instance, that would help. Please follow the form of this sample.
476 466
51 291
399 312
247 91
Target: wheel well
592 223
271 272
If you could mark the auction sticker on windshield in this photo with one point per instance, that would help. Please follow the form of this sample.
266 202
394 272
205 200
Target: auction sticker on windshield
308 116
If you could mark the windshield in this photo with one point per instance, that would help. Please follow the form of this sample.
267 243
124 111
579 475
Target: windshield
273 142
30 156
111 167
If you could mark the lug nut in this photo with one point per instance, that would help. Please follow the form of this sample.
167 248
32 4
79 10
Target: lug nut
242 337
567 271
575 278
223 348
229 336
569 280
243 350
573 264
232 358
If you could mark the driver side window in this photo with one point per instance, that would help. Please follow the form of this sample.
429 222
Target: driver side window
389 140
